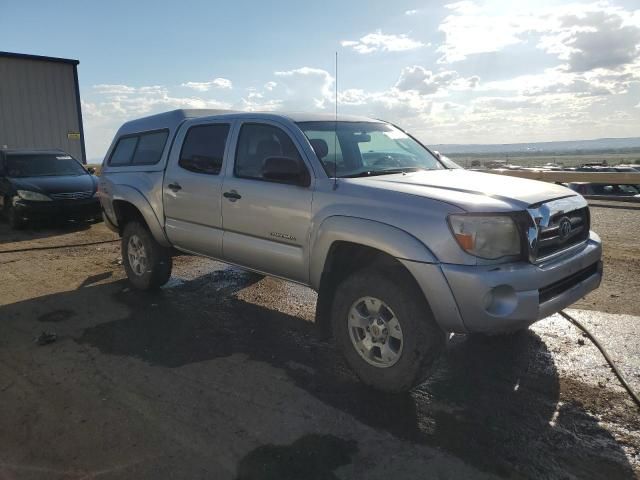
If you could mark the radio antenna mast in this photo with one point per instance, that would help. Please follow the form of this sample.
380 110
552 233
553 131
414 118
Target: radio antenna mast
335 133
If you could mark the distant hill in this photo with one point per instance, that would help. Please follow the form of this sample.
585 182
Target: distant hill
544 148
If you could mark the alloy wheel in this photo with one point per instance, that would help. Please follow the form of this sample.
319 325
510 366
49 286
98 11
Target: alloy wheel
375 332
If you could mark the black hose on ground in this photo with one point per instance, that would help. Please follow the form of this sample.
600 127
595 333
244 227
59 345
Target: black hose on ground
613 366
54 247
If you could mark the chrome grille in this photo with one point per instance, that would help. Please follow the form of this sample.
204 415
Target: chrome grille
72 195
559 225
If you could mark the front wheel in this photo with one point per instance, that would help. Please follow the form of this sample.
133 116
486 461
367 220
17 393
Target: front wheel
147 263
385 329
14 219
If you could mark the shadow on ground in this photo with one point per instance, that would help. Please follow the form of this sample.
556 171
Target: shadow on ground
312 457
495 403
41 229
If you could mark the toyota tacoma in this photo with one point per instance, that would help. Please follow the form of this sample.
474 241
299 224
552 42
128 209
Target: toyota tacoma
402 246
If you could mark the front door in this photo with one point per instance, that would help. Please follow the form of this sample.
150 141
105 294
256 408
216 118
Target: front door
193 186
266 224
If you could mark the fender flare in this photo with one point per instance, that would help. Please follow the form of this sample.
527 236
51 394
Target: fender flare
370 233
131 195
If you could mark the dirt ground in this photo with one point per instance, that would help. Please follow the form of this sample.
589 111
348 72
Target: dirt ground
220 375
618 225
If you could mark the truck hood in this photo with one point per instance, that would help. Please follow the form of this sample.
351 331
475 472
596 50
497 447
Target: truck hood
471 191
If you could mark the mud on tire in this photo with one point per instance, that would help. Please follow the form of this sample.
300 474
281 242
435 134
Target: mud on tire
422 339
147 263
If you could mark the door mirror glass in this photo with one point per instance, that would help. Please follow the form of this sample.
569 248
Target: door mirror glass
91 170
286 170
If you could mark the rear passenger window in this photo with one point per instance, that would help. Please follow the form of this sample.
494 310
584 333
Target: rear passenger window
150 148
123 153
142 149
203 149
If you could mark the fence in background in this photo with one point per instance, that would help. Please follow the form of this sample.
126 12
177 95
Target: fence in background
568 177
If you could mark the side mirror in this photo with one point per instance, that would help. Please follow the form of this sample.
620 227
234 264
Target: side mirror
286 170
91 170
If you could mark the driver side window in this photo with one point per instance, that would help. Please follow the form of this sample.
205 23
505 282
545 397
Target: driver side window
256 143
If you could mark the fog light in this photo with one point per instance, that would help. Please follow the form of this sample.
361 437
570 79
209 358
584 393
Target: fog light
500 301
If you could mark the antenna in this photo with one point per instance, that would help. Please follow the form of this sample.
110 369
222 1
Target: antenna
335 133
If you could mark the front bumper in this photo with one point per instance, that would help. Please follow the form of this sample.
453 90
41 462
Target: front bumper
503 298
493 299
76 209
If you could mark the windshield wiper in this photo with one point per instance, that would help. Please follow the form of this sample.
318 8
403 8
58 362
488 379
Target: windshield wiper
386 171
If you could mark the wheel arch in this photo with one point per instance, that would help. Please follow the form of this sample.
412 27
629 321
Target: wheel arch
372 234
128 203
346 245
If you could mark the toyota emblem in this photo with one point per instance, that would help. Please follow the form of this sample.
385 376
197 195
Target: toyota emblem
564 228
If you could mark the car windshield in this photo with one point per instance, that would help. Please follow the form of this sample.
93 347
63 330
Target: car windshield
351 149
42 165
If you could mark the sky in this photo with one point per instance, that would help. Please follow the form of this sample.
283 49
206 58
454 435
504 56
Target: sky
492 71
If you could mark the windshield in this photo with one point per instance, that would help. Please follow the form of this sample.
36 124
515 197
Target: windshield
349 149
42 165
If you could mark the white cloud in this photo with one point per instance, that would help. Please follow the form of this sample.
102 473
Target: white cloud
113 89
255 101
379 42
206 86
412 12
597 39
469 30
352 96
438 105
585 36
425 82
491 104
305 87
107 107
557 80
129 102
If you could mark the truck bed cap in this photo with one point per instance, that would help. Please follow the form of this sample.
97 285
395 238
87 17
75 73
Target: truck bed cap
168 119
172 119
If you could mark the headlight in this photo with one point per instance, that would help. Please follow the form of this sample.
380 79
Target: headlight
33 196
486 236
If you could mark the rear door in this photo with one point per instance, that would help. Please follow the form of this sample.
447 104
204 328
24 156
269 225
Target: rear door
266 224
193 186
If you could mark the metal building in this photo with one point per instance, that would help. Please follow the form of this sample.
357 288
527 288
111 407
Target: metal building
40 104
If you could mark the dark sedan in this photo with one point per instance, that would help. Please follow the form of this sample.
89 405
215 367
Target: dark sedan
37 184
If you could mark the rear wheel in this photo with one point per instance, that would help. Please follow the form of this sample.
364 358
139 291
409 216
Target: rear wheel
147 263
385 329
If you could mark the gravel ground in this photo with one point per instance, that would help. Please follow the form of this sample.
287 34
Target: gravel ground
619 226
220 375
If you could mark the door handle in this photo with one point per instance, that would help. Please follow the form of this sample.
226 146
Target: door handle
232 195
175 186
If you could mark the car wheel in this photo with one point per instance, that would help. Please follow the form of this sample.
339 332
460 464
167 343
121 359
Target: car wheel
14 220
147 263
385 329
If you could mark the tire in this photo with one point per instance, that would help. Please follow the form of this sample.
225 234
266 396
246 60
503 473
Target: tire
421 341
147 263
14 221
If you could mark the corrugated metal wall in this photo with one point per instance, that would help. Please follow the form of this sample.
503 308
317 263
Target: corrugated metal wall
38 105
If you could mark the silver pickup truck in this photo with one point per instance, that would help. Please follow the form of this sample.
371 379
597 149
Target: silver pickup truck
401 245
